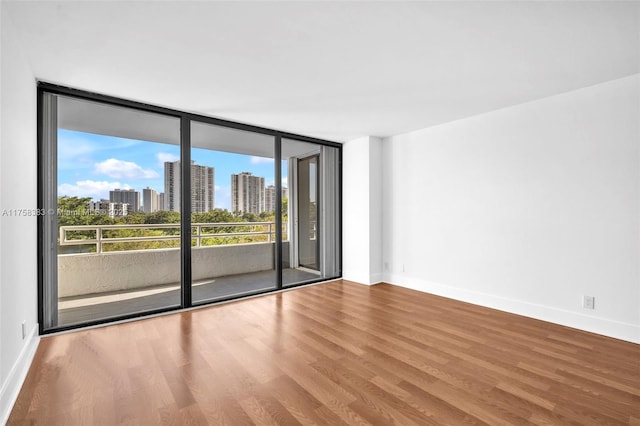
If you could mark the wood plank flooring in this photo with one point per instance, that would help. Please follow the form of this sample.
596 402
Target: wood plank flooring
333 354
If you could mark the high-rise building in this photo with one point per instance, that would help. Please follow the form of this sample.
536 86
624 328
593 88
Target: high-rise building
161 204
270 197
202 187
129 196
150 200
247 193
172 186
113 209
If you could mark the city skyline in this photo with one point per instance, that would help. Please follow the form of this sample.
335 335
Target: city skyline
91 165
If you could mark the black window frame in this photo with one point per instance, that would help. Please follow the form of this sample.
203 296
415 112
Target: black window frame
186 118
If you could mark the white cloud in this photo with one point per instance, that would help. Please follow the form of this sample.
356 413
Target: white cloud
261 160
284 182
119 169
165 157
77 149
90 188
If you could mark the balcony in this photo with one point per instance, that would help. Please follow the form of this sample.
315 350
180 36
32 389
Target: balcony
125 269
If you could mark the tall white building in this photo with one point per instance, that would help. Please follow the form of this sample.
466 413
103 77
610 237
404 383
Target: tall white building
150 200
129 196
247 194
270 197
202 187
172 186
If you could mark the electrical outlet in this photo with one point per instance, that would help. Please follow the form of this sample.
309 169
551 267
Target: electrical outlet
24 329
588 302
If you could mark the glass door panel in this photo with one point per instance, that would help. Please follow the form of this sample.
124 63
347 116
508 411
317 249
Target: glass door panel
233 212
114 250
310 215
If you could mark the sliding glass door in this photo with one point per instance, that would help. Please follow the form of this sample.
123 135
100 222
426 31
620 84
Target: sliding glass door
234 237
311 250
112 250
307 197
146 209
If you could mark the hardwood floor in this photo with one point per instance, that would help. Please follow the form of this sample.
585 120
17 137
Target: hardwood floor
333 354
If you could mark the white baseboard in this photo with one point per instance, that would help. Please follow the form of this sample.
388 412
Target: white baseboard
376 278
593 324
12 385
362 278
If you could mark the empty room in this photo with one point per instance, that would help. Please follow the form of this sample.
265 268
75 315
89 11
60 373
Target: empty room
319 212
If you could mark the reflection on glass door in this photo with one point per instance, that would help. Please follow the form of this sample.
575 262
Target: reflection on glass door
308 212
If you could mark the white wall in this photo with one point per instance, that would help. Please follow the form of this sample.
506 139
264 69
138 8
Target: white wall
375 210
2 404
525 209
361 210
18 190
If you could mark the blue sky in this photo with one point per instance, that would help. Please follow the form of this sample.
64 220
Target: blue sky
89 165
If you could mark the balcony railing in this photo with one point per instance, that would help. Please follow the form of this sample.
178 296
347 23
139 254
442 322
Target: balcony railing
202 233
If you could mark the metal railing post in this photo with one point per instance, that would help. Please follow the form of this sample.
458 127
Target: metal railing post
99 240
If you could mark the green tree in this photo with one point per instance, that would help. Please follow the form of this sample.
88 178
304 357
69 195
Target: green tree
250 217
162 216
74 211
213 216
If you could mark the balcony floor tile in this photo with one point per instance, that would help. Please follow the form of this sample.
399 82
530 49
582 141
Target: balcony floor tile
94 307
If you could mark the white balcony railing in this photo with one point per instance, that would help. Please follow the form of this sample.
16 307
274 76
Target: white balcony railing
82 235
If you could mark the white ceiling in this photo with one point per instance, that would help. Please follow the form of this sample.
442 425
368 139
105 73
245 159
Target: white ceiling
336 70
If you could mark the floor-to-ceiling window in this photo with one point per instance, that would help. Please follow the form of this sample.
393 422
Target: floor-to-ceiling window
146 209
